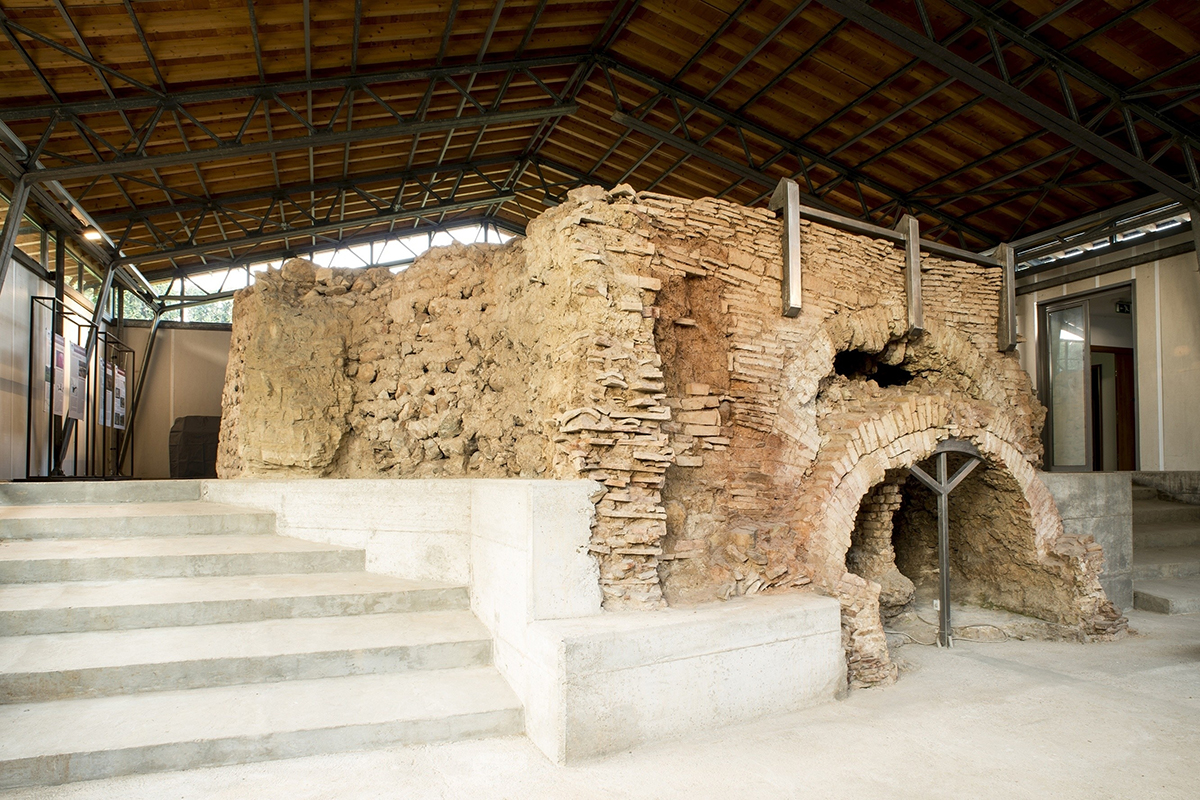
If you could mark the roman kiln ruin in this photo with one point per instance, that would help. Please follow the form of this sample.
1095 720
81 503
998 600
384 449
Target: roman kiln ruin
637 340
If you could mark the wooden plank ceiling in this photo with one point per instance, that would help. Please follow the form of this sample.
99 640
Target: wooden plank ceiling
335 114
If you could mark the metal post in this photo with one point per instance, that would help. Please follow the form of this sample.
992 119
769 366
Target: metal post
945 637
909 226
12 224
54 439
29 391
1006 333
137 392
942 487
786 198
1194 213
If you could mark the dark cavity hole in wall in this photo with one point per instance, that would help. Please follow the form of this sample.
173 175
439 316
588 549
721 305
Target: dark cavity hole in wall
861 365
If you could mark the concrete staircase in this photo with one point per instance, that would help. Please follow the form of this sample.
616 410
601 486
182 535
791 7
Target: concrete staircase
142 629
1166 553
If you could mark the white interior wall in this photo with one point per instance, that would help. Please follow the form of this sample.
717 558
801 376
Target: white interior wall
19 285
1166 318
185 378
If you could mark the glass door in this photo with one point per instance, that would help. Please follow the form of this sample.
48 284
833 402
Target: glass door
1066 386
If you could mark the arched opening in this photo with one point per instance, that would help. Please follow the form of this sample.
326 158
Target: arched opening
993 558
872 554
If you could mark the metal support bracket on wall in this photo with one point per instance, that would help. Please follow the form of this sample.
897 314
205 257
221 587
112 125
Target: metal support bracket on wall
911 229
786 197
942 486
1006 333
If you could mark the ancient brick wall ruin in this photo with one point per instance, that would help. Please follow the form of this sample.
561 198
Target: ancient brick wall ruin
637 340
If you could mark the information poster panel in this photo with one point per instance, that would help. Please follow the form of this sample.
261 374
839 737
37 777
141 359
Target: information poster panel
104 413
112 411
60 374
79 376
119 399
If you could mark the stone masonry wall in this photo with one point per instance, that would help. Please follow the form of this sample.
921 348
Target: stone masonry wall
637 340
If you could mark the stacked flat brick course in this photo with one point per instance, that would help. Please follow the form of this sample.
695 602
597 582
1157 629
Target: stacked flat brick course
636 339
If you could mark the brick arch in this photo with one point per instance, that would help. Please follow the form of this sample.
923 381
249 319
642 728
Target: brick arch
897 440
982 407
901 438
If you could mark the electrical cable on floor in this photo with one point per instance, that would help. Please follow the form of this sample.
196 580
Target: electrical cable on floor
1003 632
914 639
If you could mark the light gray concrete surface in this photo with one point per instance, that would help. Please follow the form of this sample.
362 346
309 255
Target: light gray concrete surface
176 518
32 608
78 739
1169 596
71 491
417 529
602 684
1183 484
1166 562
52 560
109 663
1100 505
1011 720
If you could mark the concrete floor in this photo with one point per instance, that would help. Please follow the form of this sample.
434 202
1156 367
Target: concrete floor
1007 720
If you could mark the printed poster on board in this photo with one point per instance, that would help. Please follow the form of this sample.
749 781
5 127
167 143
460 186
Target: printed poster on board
119 400
79 376
104 412
112 410
60 375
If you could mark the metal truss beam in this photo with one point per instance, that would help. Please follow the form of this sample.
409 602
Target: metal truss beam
11 225
1132 161
318 229
807 156
277 253
314 210
233 149
1057 61
193 203
153 101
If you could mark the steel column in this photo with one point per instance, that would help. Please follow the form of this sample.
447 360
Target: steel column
137 392
942 486
12 224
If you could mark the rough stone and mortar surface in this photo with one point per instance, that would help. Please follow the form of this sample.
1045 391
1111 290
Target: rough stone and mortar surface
636 340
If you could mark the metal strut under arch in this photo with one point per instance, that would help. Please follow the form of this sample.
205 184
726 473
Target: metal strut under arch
942 486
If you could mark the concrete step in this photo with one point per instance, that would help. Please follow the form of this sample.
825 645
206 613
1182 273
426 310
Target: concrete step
37 608
131 519
169 557
77 740
107 663
1156 511
1165 534
26 493
1144 492
1150 563
1168 596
